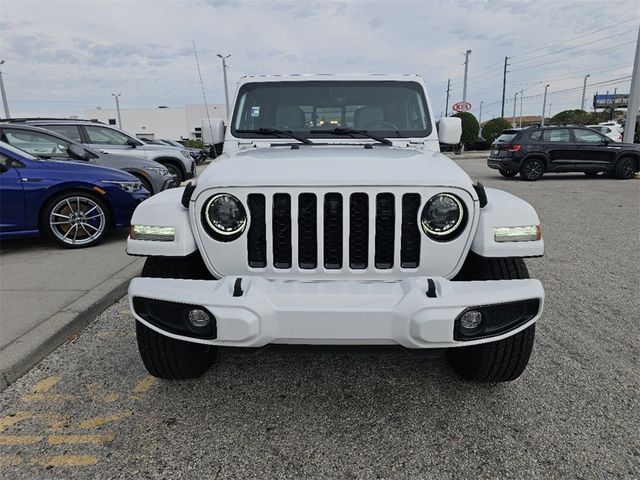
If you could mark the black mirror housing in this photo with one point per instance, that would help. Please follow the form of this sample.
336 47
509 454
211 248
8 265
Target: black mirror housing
77 152
132 143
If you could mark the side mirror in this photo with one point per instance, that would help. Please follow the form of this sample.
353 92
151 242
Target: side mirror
77 152
132 143
3 168
449 130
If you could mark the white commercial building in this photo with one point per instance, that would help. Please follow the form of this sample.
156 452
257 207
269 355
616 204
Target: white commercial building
173 123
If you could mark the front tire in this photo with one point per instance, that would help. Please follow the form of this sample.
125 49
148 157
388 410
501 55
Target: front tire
75 219
175 170
507 173
165 357
506 359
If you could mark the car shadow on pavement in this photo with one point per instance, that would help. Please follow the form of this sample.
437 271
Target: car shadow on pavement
43 243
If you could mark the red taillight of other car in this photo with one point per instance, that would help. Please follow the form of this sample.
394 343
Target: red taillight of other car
510 148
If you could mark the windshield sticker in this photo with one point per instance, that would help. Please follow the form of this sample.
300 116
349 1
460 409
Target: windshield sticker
255 111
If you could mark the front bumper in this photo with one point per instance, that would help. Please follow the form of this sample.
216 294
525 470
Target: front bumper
254 311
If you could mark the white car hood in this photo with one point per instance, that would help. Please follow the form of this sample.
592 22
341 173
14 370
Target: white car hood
333 165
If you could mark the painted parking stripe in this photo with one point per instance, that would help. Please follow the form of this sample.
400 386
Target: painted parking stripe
67 461
99 421
60 439
19 439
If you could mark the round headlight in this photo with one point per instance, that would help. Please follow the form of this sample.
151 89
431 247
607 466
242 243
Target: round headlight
224 216
442 215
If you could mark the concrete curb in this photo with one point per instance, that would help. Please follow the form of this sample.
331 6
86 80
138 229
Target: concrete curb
27 351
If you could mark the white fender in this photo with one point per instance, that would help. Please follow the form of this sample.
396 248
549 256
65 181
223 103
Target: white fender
505 210
163 210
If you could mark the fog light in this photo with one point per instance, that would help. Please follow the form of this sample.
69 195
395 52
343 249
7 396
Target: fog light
199 318
153 233
471 319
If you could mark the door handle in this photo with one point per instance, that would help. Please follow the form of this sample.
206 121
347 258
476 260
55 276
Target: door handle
30 180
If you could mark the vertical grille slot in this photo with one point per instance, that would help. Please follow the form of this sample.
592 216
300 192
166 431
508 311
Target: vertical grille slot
333 231
410 240
358 231
385 220
281 230
307 231
256 238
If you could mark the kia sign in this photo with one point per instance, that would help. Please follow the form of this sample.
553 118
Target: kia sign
611 100
458 107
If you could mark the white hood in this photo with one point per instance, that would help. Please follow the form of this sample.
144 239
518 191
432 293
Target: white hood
333 165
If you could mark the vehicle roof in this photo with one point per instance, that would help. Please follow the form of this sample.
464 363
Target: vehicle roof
292 77
50 120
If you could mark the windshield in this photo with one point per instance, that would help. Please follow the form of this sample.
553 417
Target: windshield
386 108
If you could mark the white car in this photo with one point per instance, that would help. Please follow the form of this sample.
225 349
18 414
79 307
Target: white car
611 131
332 218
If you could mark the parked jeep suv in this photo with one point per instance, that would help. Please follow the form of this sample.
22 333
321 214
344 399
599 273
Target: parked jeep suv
534 151
332 218
109 139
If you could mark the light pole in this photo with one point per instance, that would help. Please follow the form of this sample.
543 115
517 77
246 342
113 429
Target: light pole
544 104
226 87
4 95
118 108
515 102
584 91
480 116
464 85
521 99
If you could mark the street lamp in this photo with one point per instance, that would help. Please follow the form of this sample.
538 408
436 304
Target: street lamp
584 91
118 108
544 104
515 102
226 87
4 95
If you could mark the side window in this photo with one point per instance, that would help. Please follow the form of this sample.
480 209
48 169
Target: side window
536 135
5 161
35 143
69 131
556 135
105 136
587 136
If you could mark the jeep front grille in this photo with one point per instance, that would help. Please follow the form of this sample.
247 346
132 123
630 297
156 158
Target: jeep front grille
377 225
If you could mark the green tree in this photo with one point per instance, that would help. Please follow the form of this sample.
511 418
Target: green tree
574 117
493 128
470 128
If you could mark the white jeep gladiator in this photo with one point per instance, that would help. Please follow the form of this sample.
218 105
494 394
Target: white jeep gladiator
332 218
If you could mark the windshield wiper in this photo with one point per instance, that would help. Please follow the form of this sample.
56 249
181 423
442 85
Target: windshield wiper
351 131
277 131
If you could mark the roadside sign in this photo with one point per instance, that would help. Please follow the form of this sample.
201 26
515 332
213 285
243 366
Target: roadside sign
611 100
458 107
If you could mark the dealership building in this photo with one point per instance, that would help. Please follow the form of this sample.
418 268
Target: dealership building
173 123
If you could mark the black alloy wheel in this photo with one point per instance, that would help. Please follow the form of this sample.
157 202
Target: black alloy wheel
625 168
532 170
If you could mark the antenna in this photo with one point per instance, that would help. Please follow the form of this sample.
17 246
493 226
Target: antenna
204 96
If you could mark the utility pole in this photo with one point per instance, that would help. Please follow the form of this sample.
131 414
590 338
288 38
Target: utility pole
226 86
634 98
613 103
521 98
118 109
480 116
515 102
544 104
446 105
504 84
464 87
4 95
584 91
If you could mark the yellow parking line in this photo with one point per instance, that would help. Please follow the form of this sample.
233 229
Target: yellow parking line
110 398
144 385
10 460
10 420
67 461
36 397
59 439
45 385
19 439
99 421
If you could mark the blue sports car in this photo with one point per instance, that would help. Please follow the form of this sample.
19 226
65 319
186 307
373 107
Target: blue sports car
74 204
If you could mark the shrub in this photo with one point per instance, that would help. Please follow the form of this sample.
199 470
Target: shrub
493 128
470 128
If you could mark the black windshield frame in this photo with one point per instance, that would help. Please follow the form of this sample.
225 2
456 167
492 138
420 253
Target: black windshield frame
306 132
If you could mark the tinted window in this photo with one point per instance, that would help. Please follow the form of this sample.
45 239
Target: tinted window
556 135
105 136
587 136
536 135
390 109
35 143
69 131
506 137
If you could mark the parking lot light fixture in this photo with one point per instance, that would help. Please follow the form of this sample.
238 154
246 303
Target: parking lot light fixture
584 91
118 108
544 104
226 86
4 95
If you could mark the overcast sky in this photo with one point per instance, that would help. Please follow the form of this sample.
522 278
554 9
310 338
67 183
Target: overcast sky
65 56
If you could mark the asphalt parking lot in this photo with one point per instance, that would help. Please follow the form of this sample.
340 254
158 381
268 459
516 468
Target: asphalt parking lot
90 411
